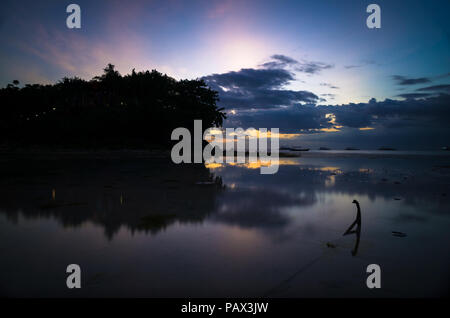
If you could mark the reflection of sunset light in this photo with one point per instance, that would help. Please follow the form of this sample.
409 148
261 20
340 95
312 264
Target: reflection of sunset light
366 128
215 131
213 165
329 129
333 169
239 243
330 181
254 165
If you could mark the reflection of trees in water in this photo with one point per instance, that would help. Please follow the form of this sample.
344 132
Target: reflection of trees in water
141 194
149 195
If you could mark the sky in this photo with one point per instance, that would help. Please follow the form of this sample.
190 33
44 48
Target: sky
312 68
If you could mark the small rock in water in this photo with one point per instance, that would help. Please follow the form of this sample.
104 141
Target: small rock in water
331 245
397 199
398 234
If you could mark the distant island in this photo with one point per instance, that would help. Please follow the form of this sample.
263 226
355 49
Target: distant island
137 110
387 148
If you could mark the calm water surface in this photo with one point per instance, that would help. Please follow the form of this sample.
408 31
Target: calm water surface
140 226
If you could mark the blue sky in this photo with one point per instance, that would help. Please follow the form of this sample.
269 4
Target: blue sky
337 58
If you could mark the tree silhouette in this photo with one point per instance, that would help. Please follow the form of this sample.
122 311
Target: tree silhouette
136 110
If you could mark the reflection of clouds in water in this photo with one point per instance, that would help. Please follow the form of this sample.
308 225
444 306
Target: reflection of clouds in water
150 196
383 182
258 208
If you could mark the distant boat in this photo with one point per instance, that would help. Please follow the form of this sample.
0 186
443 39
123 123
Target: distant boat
446 148
294 149
299 149
351 148
324 148
387 148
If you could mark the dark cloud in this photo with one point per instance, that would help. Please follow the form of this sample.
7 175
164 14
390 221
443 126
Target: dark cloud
263 87
257 88
445 88
283 61
313 67
291 119
279 61
261 100
402 80
424 114
325 97
427 91
413 95
249 79
394 113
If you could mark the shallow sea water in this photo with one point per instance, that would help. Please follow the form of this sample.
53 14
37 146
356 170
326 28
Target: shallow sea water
139 226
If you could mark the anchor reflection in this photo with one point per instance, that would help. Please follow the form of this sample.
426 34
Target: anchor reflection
357 231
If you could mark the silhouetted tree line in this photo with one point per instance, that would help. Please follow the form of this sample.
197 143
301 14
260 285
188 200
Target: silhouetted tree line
135 110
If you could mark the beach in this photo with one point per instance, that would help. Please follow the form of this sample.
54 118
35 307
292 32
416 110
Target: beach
140 226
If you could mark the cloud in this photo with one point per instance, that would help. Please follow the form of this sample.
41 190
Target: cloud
264 87
352 66
364 63
329 85
444 88
260 99
282 61
53 51
414 95
328 95
402 80
394 113
279 61
426 114
313 67
257 88
239 208
292 119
